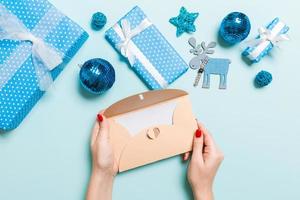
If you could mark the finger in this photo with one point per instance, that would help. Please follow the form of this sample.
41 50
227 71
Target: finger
104 127
208 139
95 132
210 146
210 143
96 128
186 156
198 146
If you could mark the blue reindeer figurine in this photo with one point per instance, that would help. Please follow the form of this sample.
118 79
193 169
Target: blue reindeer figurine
203 63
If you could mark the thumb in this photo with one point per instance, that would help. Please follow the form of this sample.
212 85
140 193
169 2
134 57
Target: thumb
103 126
197 155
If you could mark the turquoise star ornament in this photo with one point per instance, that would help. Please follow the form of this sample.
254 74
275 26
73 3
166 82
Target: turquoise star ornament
184 22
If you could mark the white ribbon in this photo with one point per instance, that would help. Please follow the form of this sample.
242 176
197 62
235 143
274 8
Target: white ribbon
127 35
129 50
44 57
266 37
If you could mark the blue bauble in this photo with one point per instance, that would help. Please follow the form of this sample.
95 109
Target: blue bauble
98 21
263 78
235 27
97 75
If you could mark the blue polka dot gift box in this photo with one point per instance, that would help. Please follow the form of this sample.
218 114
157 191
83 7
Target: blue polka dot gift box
36 42
150 55
269 36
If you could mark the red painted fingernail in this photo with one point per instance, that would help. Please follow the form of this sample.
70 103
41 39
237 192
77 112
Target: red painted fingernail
100 117
198 133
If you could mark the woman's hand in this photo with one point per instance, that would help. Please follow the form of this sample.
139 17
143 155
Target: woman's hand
104 160
105 165
205 161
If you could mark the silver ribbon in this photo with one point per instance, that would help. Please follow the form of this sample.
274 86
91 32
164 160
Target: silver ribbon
44 57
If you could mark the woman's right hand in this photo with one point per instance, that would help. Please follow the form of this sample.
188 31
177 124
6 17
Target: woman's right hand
205 161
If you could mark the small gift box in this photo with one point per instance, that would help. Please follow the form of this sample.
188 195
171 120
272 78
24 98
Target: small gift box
150 55
36 42
267 39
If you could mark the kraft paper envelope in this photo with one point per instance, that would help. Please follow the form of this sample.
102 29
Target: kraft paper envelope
151 126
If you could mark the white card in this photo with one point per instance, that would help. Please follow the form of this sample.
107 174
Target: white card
135 121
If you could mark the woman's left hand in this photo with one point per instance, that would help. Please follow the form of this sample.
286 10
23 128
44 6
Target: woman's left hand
104 160
105 163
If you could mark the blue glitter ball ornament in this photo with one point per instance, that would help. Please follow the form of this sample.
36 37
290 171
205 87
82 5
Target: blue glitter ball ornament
263 78
98 21
235 27
97 75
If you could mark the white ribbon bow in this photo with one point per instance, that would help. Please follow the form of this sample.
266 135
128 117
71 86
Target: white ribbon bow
129 50
266 35
127 35
44 57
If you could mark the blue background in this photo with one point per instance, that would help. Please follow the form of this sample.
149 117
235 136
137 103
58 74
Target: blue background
48 158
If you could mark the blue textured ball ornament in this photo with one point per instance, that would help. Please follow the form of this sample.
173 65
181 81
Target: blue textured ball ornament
263 78
97 75
98 21
235 27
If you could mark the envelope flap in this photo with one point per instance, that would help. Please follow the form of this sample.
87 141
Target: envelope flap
142 100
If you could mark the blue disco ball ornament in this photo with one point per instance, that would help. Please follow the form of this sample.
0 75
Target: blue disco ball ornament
235 27
97 75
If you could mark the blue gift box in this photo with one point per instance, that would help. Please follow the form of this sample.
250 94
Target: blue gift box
150 55
263 43
19 87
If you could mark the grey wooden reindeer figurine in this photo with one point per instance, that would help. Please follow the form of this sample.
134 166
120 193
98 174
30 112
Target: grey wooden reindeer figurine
208 65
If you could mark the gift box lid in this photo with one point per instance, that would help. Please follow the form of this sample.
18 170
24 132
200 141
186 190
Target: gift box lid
19 88
156 62
260 47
